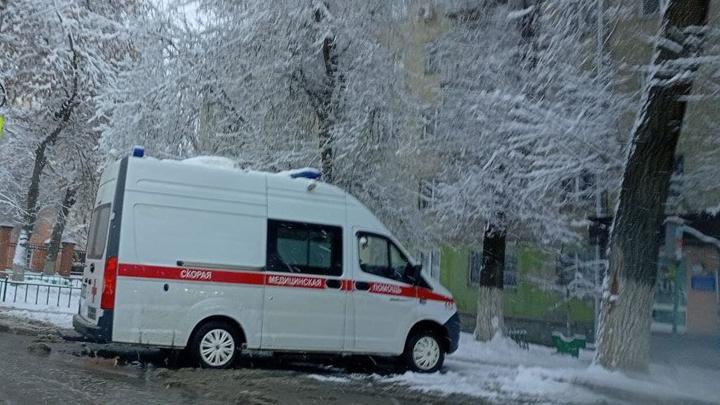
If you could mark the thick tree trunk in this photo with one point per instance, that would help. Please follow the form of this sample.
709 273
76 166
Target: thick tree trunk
58 230
22 259
329 106
489 320
326 99
625 318
326 151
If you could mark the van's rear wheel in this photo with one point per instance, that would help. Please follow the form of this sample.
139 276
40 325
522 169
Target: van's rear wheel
424 353
215 345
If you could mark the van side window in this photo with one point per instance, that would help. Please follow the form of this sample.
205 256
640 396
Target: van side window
298 247
379 256
98 232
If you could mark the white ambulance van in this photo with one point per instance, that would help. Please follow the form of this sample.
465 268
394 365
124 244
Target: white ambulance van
215 260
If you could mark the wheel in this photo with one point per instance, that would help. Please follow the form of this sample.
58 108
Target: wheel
424 353
215 345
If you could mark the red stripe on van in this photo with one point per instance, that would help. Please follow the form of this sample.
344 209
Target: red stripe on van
419 292
270 279
191 274
426 294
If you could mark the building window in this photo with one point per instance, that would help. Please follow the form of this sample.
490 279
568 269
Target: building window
426 194
376 126
587 182
296 247
432 64
429 123
431 263
474 268
581 186
676 181
510 273
650 7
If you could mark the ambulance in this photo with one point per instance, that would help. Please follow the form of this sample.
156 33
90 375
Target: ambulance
215 260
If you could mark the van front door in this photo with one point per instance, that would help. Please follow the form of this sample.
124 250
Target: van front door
384 299
305 295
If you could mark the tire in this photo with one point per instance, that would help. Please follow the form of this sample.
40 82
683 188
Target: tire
424 353
215 344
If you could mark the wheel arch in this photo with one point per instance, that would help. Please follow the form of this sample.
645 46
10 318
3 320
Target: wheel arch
220 318
432 326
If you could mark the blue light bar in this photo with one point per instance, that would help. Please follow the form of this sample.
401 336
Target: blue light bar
138 151
312 174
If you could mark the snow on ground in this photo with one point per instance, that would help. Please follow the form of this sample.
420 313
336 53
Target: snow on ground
51 280
329 378
59 319
500 371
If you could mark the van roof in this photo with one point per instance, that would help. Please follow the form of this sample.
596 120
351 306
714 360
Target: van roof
219 164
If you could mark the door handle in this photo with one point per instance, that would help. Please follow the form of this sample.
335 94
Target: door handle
362 285
335 284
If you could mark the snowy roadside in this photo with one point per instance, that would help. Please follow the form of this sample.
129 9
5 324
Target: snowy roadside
499 371
51 304
60 319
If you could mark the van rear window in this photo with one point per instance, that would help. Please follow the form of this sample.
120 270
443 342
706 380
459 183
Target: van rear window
98 232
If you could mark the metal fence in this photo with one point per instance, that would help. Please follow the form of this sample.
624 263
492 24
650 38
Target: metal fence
29 294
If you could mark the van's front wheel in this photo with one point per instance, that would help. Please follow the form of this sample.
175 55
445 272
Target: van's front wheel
215 345
424 353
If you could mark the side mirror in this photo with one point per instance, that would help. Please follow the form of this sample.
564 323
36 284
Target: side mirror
413 273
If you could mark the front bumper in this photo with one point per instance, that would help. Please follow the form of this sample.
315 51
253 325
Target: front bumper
453 332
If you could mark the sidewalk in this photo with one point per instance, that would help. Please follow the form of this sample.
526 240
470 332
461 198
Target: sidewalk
686 350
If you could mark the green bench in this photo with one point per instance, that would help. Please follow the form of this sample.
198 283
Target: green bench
569 345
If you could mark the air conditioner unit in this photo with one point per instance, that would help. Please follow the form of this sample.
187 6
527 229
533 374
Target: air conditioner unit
425 13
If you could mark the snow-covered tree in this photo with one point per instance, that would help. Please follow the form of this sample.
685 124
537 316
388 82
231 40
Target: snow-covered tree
57 54
523 118
273 86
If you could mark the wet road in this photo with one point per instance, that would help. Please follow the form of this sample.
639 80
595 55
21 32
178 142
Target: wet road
57 377
120 375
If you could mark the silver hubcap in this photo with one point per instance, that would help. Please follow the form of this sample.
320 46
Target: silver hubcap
217 347
426 353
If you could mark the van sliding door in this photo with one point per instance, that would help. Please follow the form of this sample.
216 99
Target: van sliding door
305 298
